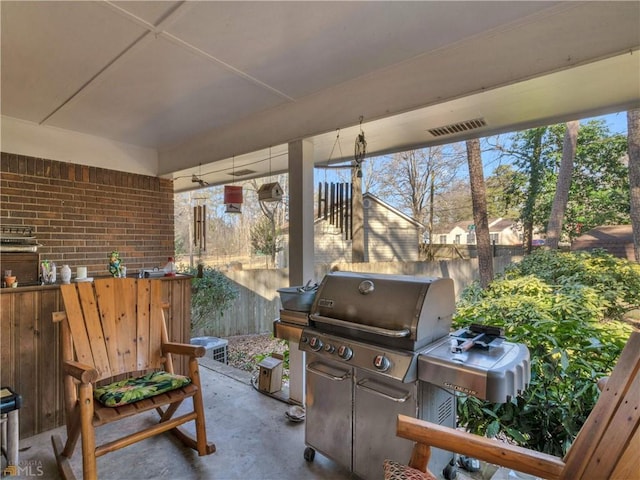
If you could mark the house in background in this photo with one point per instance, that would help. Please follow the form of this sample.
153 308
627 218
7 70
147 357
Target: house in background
503 231
389 236
615 239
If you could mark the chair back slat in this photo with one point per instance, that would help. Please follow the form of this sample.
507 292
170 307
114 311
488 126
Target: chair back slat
628 465
143 323
77 327
116 324
94 329
613 422
156 322
105 296
126 312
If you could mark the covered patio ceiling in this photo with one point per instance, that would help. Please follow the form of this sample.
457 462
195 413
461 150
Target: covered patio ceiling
214 88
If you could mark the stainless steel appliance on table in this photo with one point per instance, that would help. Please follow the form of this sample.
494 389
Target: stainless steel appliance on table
364 344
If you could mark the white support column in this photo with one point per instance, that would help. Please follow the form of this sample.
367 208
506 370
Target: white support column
301 257
301 254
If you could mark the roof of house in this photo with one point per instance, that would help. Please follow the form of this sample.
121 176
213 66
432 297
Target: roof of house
372 197
495 225
616 239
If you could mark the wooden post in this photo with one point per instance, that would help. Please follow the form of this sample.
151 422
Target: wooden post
357 244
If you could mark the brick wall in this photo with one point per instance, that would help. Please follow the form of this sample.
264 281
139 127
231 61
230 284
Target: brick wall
82 213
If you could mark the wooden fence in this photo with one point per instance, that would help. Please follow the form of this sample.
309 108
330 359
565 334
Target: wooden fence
259 305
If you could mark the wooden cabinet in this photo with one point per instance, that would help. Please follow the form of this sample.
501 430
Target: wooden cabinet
23 265
30 347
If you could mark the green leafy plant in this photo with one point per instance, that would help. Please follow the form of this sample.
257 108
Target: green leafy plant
566 308
211 296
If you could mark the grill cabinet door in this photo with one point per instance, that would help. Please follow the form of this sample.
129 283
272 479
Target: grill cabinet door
328 423
378 401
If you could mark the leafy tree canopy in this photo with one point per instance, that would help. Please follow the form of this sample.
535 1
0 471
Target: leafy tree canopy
599 193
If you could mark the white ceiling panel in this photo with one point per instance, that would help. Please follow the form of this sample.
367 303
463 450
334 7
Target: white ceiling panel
202 82
50 50
302 47
158 93
150 12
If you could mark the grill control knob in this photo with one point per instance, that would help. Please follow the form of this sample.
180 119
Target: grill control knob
345 352
304 339
316 344
381 362
329 348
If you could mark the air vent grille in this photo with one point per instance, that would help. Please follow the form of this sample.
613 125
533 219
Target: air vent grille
458 127
242 173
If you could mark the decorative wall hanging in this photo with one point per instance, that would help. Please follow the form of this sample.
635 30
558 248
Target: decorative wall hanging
360 150
335 205
200 227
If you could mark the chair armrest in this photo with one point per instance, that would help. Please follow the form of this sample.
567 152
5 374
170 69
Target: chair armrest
184 349
482 448
80 371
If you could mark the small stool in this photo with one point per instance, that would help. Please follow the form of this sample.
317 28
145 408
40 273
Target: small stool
10 403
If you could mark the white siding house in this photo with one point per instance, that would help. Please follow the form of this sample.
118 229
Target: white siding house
501 230
389 235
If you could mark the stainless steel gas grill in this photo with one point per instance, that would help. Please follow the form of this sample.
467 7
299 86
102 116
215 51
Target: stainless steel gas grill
362 366
364 348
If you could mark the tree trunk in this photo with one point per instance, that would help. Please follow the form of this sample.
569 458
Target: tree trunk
633 139
535 174
480 217
563 183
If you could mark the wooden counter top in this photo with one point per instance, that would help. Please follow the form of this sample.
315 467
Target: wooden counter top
28 288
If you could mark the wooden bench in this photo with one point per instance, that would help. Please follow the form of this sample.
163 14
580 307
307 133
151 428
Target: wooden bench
111 330
607 446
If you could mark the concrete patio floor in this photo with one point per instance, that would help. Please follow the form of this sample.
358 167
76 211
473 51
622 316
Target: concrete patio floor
253 437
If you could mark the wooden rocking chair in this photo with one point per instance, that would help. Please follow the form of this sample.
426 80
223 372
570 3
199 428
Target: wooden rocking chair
113 330
606 448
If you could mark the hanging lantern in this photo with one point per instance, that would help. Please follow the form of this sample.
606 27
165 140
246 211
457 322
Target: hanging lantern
232 194
233 198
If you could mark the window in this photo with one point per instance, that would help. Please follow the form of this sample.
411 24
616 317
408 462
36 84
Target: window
495 237
457 240
443 239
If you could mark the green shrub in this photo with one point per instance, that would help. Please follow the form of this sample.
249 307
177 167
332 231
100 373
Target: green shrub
563 307
211 296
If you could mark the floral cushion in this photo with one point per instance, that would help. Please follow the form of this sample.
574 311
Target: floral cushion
396 471
128 391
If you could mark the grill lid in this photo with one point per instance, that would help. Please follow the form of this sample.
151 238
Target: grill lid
403 311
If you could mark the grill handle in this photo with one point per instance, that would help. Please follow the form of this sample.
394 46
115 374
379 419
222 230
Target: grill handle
405 332
326 374
363 384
